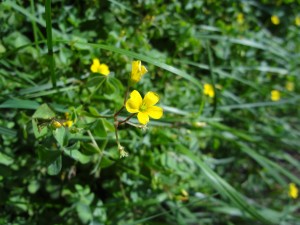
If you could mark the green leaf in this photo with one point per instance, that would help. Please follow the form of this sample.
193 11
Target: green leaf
33 186
44 112
61 136
16 39
55 167
84 212
19 104
74 153
89 149
93 111
5 159
106 162
8 132
108 125
48 156
39 130
95 80
99 129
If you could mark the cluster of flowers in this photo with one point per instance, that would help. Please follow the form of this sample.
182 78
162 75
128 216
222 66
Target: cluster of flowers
274 19
59 123
143 107
274 96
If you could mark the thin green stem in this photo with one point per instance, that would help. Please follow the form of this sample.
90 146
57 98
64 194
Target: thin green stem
137 125
102 116
124 121
117 113
96 145
116 124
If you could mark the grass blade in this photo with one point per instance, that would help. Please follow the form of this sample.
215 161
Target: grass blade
226 190
49 42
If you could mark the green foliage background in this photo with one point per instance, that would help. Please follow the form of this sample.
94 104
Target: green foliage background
226 160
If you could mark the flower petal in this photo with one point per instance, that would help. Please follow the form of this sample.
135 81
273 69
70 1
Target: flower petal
143 118
150 99
209 90
155 112
134 102
137 71
103 69
136 66
143 70
96 62
94 68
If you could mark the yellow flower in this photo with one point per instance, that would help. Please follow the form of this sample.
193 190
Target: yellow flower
144 107
96 67
240 18
275 20
209 90
137 71
68 123
275 95
55 124
297 21
293 191
290 86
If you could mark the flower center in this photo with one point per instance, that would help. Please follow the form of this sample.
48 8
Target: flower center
143 107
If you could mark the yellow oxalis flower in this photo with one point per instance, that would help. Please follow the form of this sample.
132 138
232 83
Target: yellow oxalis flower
275 20
137 71
144 108
293 191
275 95
240 18
96 67
297 21
68 123
209 90
55 124
290 86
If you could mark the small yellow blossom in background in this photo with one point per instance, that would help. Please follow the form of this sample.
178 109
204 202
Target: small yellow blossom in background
293 191
297 21
275 20
209 90
55 124
200 124
96 67
290 86
144 107
184 196
275 95
240 18
137 71
68 123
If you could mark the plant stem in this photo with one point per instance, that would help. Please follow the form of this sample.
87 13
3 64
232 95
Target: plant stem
128 118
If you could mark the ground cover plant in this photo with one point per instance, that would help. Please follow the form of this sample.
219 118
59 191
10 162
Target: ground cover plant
149 112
